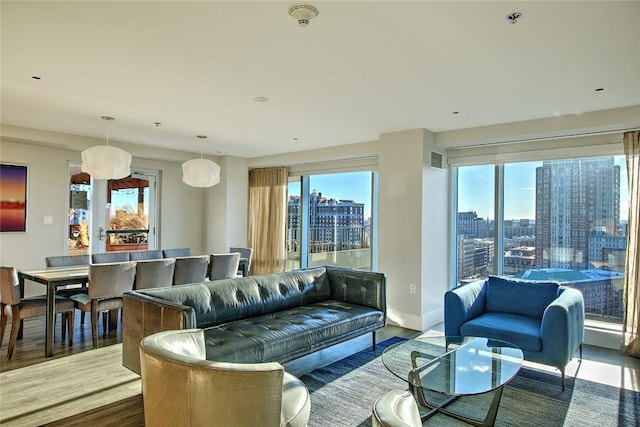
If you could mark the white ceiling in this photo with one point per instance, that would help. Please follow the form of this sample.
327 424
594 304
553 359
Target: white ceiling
358 70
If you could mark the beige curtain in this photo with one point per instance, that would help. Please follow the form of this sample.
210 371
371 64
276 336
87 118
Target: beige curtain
631 324
268 219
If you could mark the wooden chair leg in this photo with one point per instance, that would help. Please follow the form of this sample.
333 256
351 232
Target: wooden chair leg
82 318
94 323
15 328
3 322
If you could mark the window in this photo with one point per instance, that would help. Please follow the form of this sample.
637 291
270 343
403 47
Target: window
563 220
330 220
128 220
474 222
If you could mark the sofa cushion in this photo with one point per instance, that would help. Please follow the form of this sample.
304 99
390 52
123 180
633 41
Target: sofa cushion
523 331
285 335
529 298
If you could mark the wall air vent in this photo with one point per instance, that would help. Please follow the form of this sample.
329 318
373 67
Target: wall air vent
437 160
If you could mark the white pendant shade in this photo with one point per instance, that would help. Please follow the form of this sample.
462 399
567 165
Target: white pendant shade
106 162
200 173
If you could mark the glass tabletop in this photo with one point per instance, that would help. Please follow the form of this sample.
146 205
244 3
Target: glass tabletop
454 365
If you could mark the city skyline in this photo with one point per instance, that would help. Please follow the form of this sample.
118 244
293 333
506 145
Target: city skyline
355 186
519 191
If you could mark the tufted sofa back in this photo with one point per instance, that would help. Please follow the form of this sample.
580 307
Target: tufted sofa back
221 301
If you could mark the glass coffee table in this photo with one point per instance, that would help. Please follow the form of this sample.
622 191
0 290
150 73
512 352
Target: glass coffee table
454 366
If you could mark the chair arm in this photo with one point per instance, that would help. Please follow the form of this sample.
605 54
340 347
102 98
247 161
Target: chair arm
462 304
562 329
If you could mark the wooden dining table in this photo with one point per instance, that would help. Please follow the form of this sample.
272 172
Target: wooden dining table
53 278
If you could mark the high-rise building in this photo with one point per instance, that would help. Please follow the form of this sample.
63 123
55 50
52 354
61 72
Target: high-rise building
575 199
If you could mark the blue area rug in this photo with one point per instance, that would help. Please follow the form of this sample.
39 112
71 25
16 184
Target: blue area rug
343 393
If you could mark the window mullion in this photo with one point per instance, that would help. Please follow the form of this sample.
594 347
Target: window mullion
498 221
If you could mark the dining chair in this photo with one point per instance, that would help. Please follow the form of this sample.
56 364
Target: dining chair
18 308
155 273
224 266
191 269
109 257
246 253
145 255
107 283
69 261
176 252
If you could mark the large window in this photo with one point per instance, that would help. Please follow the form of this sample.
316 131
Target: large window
330 220
563 220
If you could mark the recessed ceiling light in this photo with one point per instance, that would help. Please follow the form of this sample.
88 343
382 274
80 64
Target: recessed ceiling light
261 99
600 89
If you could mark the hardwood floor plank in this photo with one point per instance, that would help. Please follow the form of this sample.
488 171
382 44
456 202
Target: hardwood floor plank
65 387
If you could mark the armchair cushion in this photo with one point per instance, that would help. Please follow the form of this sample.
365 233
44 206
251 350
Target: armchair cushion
523 331
528 298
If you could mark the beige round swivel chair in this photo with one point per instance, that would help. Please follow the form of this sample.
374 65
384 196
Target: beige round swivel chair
181 388
396 408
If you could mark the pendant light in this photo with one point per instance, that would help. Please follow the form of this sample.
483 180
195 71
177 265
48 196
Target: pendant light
200 172
105 161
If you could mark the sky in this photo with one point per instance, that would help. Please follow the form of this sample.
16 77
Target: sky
354 186
476 190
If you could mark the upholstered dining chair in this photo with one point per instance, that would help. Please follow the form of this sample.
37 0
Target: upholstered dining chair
18 308
109 257
396 408
155 273
224 266
176 252
191 269
182 388
246 253
107 283
69 261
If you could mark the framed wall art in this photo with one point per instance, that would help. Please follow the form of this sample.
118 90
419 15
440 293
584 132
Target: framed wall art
13 197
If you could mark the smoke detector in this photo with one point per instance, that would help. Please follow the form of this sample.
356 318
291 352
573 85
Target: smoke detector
303 13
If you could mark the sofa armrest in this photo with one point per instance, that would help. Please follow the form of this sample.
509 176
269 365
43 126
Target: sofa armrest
462 304
143 315
361 287
562 329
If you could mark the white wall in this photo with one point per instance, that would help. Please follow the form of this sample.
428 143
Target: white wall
225 208
412 229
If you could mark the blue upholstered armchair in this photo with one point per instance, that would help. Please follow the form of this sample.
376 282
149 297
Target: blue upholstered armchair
544 319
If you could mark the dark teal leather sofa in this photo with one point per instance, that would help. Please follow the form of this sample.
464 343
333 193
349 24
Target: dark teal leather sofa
266 318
